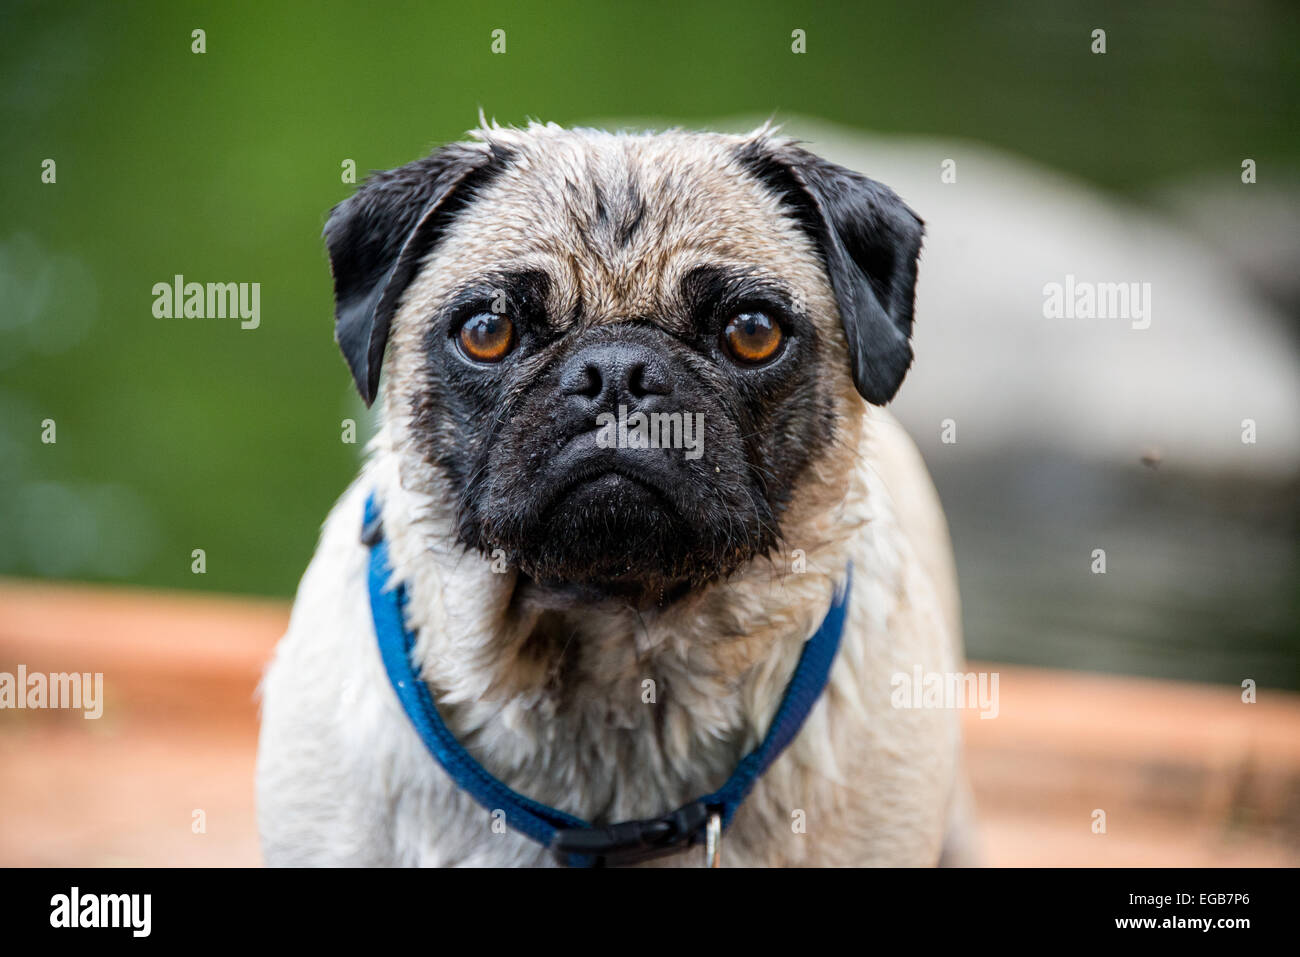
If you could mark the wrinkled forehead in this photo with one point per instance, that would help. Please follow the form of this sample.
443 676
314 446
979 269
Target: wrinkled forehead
616 223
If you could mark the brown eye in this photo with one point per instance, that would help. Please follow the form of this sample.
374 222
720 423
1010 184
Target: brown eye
487 337
752 337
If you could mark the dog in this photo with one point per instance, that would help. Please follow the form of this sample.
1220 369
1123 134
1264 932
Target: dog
606 626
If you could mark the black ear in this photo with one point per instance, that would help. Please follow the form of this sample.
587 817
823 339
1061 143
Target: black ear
378 236
869 240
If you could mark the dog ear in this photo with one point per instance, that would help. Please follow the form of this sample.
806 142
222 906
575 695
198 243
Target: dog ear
869 240
377 238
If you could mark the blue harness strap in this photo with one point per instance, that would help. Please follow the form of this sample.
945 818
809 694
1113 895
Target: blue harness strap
576 842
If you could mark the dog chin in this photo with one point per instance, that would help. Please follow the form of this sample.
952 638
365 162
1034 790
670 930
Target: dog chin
614 538
563 596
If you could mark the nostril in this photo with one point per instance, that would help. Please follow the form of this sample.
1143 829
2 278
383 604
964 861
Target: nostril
595 381
587 383
636 380
645 379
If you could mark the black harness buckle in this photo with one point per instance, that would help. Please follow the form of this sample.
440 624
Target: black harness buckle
630 842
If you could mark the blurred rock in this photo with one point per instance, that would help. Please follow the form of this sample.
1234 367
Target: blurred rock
1215 354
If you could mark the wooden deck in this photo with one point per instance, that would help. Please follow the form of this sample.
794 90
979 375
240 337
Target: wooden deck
1186 774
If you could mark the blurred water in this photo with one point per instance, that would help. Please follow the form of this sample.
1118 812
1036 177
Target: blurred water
1201 574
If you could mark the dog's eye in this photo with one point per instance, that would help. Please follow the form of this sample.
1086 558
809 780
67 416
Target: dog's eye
487 337
752 337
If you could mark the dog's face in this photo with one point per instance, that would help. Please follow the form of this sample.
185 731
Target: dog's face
625 356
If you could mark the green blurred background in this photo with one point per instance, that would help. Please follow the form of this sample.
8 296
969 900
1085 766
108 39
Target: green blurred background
176 435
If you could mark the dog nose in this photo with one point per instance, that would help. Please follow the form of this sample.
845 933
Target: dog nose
604 375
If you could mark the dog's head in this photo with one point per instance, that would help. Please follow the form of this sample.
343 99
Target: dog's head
624 356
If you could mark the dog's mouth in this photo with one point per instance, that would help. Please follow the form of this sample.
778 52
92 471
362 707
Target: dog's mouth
605 485
608 525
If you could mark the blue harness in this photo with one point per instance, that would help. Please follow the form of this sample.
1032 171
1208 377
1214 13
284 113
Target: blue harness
576 842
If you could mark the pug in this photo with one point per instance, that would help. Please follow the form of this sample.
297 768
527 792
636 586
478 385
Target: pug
637 553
